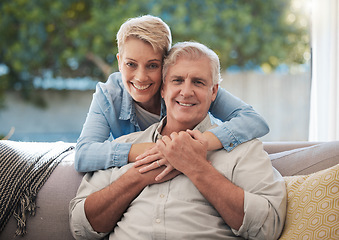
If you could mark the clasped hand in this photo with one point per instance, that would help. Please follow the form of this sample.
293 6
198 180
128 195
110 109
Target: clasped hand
179 151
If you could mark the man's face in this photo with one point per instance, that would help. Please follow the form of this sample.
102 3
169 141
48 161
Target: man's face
188 91
140 67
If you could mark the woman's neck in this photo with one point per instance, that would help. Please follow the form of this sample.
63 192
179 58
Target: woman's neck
153 105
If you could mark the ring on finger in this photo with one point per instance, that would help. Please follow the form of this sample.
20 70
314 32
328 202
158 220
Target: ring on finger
158 163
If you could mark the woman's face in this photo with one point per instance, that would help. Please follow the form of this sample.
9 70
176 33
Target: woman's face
140 67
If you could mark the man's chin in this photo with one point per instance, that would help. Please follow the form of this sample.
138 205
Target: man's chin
188 122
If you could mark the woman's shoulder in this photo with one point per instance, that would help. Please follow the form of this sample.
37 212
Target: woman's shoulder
113 81
112 91
113 85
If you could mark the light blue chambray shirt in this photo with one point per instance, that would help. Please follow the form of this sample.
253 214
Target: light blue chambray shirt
112 114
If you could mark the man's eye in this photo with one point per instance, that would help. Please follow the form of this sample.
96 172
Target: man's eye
198 82
177 80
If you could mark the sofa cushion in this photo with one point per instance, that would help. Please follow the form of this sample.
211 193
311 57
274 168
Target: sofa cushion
313 205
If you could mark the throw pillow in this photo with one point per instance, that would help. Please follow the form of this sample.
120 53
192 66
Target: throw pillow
313 205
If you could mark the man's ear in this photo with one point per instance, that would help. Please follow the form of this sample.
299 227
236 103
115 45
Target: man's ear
215 91
162 90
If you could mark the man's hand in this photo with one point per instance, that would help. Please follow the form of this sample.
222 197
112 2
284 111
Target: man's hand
187 151
184 150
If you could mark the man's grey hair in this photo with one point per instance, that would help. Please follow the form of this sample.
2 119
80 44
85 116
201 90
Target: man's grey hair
148 28
193 51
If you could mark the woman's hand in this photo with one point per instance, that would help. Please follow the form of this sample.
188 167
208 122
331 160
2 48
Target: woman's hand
137 149
155 159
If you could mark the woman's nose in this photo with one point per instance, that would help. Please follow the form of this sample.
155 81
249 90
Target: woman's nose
141 75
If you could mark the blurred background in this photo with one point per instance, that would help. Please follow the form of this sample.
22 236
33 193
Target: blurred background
52 54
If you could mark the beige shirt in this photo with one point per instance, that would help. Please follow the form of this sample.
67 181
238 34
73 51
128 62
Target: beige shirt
176 210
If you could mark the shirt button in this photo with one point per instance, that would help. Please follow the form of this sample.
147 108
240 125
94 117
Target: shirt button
157 220
231 144
162 195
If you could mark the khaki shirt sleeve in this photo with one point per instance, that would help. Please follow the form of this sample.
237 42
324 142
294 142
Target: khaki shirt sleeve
91 182
265 194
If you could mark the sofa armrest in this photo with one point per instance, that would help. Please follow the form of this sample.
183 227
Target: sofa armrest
51 218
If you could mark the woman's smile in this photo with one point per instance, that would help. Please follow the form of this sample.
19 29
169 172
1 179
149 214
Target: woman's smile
141 87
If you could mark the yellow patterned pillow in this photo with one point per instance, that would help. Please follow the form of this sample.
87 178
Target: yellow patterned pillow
313 206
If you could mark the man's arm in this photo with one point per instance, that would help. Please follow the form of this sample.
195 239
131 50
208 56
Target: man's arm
105 208
259 190
228 200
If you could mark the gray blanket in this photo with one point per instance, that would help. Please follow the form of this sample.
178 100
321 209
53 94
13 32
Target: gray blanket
24 168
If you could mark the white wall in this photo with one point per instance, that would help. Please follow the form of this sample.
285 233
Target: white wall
283 100
62 120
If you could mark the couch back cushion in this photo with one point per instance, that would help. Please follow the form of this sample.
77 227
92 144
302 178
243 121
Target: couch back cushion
306 160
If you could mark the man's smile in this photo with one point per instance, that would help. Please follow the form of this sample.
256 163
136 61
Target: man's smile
185 104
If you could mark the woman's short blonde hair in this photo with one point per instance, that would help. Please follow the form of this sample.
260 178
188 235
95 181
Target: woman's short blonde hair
147 28
193 51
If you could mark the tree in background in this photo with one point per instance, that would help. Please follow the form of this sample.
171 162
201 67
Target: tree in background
77 38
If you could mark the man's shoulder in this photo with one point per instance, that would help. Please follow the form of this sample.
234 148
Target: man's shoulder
138 137
243 149
249 146
251 143
129 137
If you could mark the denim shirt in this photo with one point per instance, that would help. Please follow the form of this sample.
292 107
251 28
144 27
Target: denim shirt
112 114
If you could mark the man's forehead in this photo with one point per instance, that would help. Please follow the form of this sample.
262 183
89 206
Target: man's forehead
195 68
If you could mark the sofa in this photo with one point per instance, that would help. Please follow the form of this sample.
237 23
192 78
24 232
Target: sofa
310 170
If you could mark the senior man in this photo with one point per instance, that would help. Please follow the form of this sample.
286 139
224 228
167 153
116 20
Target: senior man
209 195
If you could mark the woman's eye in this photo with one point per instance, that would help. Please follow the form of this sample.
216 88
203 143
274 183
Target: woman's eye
130 64
153 66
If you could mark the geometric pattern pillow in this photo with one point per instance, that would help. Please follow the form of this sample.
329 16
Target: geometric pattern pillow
312 205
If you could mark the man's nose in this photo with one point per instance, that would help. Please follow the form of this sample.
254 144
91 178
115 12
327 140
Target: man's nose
187 89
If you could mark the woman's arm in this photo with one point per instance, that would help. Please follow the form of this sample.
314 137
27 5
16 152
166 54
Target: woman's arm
137 149
94 149
240 122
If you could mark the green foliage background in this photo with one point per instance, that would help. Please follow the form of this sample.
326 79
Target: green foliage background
77 38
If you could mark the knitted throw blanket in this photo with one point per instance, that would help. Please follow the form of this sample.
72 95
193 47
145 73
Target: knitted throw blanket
24 168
